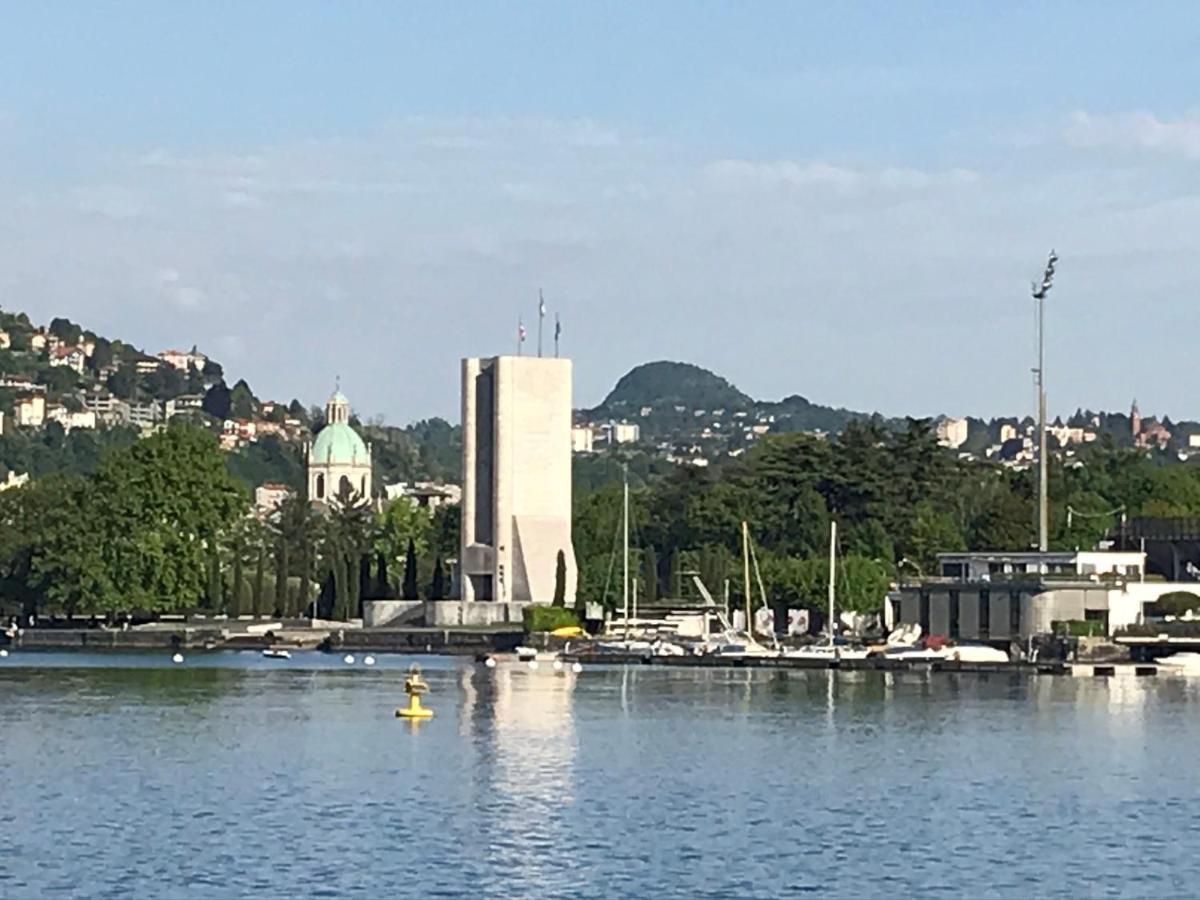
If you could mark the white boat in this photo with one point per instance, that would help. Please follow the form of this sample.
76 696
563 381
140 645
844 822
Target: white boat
743 649
975 653
1184 663
827 652
831 651
272 653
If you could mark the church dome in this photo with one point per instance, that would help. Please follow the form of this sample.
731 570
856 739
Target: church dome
339 444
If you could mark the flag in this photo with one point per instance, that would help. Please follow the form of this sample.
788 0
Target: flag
557 327
541 306
520 331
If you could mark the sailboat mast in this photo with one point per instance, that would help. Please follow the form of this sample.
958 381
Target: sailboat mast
625 546
746 575
832 574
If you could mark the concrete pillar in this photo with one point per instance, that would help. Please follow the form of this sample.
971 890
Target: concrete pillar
502 486
470 370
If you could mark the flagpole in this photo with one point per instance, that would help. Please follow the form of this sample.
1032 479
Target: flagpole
557 332
541 318
520 335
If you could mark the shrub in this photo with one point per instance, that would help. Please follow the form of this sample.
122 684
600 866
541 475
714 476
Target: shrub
548 618
1078 628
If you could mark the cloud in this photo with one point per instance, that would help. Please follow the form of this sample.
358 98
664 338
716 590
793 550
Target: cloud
739 174
1135 131
387 255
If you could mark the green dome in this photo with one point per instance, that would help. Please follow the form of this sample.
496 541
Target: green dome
338 444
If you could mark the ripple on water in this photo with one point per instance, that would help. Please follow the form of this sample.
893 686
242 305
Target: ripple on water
230 778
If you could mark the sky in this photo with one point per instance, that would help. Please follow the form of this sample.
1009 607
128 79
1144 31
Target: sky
846 201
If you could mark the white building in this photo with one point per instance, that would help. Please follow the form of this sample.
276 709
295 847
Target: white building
625 433
72 358
952 432
1008 433
13 480
339 463
5 339
71 419
516 505
1085 563
429 495
582 438
183 360
268 497
30 411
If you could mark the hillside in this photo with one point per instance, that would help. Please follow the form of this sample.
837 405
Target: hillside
670 384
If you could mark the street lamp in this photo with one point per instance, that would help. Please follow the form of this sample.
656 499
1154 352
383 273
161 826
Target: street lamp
1040 290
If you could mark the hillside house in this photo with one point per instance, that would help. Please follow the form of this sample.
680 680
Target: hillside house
72 358
183 360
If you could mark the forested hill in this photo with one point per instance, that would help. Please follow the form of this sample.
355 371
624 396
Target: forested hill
664 397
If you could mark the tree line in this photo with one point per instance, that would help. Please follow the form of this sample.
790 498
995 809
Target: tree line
161 525
898 497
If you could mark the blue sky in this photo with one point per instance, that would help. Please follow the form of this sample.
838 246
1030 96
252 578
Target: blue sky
845 201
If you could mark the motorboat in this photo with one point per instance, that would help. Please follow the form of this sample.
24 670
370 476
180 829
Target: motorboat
827 652
744 649
276 653
975 653
1184 663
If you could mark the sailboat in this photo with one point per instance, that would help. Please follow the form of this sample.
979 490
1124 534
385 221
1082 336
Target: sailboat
626 644
831 651
738 645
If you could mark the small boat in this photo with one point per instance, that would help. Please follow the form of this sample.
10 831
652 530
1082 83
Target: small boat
976 653
827 652
276 653
1185 663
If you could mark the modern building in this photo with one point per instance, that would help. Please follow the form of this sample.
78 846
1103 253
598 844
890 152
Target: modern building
624 433
269 496
952 432
516 505
183 360
428 495
72 358
1004 597
338 461
582 439
30 411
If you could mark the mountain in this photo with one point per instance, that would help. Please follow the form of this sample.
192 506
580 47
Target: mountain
665 384
680 398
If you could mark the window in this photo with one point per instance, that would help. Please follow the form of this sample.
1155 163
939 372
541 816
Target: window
953 627
1014 613
953 570
363 486
344 488
923 614
985 613
320 487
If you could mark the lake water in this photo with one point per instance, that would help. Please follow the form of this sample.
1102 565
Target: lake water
233 775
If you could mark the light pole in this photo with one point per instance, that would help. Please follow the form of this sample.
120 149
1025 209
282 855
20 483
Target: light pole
1039 295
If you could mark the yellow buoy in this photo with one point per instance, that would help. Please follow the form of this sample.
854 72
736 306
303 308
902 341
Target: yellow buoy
414 686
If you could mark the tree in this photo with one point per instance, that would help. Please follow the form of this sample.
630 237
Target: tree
283 606
259 597
650 575
66 331
560 579
212 369
217 401
437 587
401 524
242 403
410 573
122 383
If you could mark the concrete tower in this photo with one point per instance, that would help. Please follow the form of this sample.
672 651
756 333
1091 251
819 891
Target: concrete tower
516 504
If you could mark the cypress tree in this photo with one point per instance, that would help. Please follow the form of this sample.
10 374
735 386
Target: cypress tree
339 586
214 597
437 587
305 589
410 573
382 586
650 576
560 579
239 584
259 574
281 575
